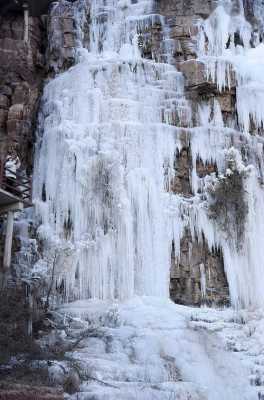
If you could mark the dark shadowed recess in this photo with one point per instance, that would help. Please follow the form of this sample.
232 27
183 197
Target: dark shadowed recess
36 7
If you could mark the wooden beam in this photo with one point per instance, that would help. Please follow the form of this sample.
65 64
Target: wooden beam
26 22
8 240
19 206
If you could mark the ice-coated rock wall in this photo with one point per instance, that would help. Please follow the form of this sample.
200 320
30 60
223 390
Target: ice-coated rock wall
105 160
112 129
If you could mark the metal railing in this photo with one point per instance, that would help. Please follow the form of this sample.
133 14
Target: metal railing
16 184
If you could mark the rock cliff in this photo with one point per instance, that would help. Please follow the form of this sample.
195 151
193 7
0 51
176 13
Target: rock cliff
53 41
206 160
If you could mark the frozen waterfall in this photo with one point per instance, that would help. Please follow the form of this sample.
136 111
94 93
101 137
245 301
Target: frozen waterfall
108 134
233 55
105 161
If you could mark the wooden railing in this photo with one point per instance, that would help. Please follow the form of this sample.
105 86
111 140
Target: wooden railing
17 184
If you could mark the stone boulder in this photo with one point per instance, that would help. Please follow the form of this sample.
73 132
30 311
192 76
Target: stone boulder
197 78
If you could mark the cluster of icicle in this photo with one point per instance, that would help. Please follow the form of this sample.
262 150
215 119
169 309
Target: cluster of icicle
234 57
223 56
106 152
100 168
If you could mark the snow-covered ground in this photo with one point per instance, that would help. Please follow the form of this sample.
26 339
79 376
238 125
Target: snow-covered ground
149 348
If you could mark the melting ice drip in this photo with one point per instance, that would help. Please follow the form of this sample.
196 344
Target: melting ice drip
105 160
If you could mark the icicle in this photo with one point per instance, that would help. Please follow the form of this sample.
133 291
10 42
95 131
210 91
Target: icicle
224 45
109 131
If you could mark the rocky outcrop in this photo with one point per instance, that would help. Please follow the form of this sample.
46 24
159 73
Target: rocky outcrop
187 8
181 182
182 18
204 169
22 71
64 38
25 66
198 276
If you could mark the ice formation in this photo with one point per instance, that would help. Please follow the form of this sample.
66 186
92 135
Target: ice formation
227 45
109 141
149 348
233 56
108 133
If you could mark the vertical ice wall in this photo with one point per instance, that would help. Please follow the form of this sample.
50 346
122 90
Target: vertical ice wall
104 158
233 57
228 45
108 133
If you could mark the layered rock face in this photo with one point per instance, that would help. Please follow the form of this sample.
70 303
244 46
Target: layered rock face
197 275
199 268
65 36
22 72
24 67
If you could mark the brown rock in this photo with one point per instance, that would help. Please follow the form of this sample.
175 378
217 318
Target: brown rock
16 112
197 78
187 8
181 183
205 169
203 8
3 117
4 102
14 128
194 72
69 40
195 264
183 27
17 29
21 76
6 90
68 25
188 47
226 102
20 95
